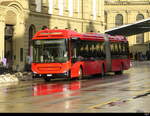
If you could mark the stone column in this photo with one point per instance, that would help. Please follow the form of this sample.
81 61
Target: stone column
128 13
110 20
66 8
2 37
87 9
101 10
19 42
45 6
148 33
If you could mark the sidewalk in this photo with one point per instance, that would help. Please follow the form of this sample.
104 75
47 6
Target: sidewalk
134 62
15 77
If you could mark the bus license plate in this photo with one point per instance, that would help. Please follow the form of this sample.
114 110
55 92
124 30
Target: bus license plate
49 75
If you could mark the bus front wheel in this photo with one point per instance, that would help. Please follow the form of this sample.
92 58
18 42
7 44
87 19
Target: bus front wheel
47 79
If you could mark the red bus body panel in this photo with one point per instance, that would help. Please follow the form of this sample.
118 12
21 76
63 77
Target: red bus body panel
117 63
50 68
88 67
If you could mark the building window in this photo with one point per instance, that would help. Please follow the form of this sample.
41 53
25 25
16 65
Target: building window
139 17
119 20
139 37
21 54
9 30
38 5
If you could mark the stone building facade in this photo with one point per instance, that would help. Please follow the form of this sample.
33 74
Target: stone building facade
121 12
20 19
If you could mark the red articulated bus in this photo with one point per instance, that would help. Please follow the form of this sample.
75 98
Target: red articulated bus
65 53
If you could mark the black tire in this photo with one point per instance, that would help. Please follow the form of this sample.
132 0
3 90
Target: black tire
69 78
33 77
119 72
47 79
80 74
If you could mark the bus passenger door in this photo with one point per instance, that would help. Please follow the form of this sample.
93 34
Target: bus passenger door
75 60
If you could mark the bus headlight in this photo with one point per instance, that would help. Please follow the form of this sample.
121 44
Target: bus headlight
35 72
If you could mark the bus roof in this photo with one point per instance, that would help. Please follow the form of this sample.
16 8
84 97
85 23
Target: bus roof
98 36
55 33
65 33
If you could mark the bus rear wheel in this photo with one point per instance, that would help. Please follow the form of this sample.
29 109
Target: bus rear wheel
102 71
120 72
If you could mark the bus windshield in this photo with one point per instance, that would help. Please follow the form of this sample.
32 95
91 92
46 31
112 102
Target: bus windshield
50 51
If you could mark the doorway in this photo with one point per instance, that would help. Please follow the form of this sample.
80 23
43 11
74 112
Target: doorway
8 51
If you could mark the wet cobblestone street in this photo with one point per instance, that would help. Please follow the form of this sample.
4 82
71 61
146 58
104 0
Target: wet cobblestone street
129 92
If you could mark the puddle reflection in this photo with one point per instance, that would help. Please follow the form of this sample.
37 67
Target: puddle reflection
47 89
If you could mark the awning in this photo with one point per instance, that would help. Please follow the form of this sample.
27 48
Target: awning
131 29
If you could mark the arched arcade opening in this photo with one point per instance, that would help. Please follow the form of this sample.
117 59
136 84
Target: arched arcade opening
10 22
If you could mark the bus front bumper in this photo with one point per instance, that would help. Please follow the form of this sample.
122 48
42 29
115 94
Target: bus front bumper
59 75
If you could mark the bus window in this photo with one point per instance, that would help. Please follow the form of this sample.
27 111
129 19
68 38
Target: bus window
102 50
112 48
87 48
73 48
124 49
86 52
116 48
97 50
120 50
81 49
93 48
74 53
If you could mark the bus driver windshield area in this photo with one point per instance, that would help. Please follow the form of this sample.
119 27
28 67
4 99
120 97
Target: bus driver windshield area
50 51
